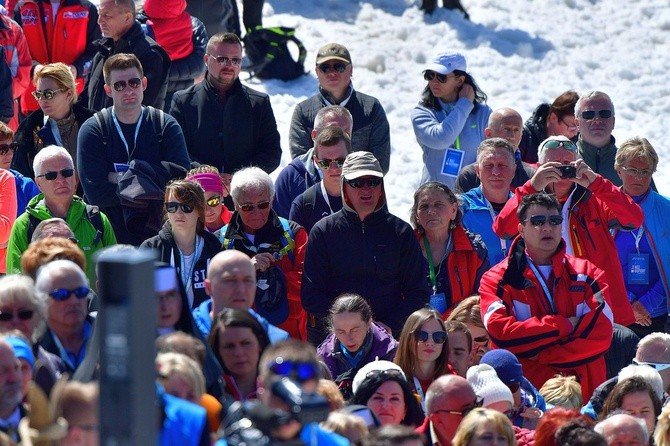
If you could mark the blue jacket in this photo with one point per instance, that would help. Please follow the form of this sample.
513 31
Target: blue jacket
184 423
311 206
25 190
312 435
293 180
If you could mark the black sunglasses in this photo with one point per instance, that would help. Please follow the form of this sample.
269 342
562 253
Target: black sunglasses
540 220
326 163
46 94
366 182
224 60
62 294
327 68
134 83
4 148
23 315
441 78
53 174
250 207
439 337
602 114
172 206
302 371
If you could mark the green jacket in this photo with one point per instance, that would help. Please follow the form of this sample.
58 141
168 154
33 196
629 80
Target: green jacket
78 221
600 159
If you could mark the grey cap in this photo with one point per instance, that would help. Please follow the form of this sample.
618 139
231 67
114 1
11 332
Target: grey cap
361 164
333 51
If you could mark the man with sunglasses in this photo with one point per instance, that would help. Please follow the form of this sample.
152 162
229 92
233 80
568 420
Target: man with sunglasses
363 249
548 308
371 128
226 124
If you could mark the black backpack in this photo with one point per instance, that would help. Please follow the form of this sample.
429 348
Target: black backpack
269 56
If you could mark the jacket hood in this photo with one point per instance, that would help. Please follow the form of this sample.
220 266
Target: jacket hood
37 207
164 9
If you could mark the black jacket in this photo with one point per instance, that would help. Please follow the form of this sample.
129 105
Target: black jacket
534 132
310 207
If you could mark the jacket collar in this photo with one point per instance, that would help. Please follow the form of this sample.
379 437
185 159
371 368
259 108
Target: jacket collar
517 264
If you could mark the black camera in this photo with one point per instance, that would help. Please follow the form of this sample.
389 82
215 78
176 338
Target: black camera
568 171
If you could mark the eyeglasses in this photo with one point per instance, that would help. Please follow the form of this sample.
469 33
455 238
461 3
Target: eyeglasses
214 201
466 410
172 206
644 173
302 371
655 365
327 68
61 294
23 315
45 94
53 174
556 143
441 78
326 163
133 83
439 337
602 114
224 60
540 220
250 207
4 148
360 183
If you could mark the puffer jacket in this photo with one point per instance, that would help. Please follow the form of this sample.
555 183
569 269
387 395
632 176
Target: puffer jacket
534 132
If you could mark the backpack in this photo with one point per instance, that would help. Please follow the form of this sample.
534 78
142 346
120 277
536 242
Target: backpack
156 116
269 56
92 214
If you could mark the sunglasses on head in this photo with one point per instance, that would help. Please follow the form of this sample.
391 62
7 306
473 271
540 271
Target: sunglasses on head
439 337
45 94
4 148
441 78
61 294
602 114
302 371
364 182
555 144
133 83
23 315
326 163
250 207
387 372
172 206
214 201
52 175
327 68
224 60
540 220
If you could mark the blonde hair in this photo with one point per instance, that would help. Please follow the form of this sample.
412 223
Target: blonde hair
468 427
343 423
169 364
662 431
59 73
331 392
563 391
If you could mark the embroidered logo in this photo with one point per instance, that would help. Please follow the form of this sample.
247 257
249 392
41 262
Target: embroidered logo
75 15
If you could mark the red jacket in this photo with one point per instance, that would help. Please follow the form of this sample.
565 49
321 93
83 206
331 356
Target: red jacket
18 59
593 212
518 317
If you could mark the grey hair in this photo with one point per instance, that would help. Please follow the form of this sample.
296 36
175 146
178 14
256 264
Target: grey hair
330 112
51 151
656 339
20 288
250 178
649 374
490 144
591 94
600 427
43 281
41 229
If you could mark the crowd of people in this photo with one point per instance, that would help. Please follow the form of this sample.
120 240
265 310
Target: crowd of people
526 302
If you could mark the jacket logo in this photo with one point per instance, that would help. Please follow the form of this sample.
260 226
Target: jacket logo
75 15
577 288
29 18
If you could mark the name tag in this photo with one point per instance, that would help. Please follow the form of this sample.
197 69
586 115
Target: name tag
452 163
638 269
439 302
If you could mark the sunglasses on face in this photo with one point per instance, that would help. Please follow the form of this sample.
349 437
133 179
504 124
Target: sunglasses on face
602 114
326 163
555 144
302 371
439 337
45 94
224 60
360 183
172 206
23 315
250 207
540 220
214 201
327 68
52 175
441 78
644 173
133 83
62 294
4 148
655 365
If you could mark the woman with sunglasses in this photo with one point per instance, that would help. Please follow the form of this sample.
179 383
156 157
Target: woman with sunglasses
25 187
453 258
209 178
450 120
276 247
423 351
183 241
57 121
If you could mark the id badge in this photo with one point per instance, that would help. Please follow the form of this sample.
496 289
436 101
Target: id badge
638 269
452 163
438 302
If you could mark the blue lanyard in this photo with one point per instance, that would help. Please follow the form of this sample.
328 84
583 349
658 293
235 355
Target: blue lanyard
503 243
123 138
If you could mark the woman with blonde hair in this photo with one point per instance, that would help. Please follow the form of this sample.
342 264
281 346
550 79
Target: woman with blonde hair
662 431
485 426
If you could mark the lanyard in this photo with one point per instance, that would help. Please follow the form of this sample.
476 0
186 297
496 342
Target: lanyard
638 237
187 276
123 138
431 266
543 284
53 125
325 197
503 243
419 391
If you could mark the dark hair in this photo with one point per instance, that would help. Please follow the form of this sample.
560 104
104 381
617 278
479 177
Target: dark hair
434 185
578 433
231 317
625 387
392 434
542 199
121 61
329 137
191 193
350 303
184 343
564 105
429 100
220 38
455 326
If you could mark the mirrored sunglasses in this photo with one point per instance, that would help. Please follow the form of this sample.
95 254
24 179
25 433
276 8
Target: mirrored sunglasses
302 371
61 294
214 201
439 337
23 315
555 144
602 114
172 206
4 148
327 68
366 182
326 163
53 174
223 60
540 220
250 207
47 94
134 83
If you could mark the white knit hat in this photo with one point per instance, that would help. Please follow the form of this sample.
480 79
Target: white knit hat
487 385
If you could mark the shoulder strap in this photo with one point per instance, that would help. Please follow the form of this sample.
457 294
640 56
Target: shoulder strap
32 224
101 119
309 198
287 239
157 118
93 215
226 243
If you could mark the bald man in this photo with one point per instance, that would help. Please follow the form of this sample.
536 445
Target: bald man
623 429
231 283
505 123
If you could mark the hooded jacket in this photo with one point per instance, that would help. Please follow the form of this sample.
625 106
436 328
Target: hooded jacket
293 180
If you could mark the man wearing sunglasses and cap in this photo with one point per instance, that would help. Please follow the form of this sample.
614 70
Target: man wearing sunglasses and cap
548 308
371 128
363 249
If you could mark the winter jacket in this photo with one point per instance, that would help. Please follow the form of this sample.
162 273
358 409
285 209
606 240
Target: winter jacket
593 212
7 212
518 317
438 130
72 360
240 133
370 132
17 54
534 132
293 180
217 15
69 39
6 94
26 189
155 64
600 159
183 422
477 219
311 206
171 26
88 238
467 178
168 252
290 264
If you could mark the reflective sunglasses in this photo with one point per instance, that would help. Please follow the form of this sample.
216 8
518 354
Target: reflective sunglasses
556 143
655 365
540 220
224 60
441 78
326 163
4 148
644 173
133 83
302 371
439 337
214 201
62 294
327 68
45 94
464 411
602 114
172 206
53 174
250 207
23 315
360 183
